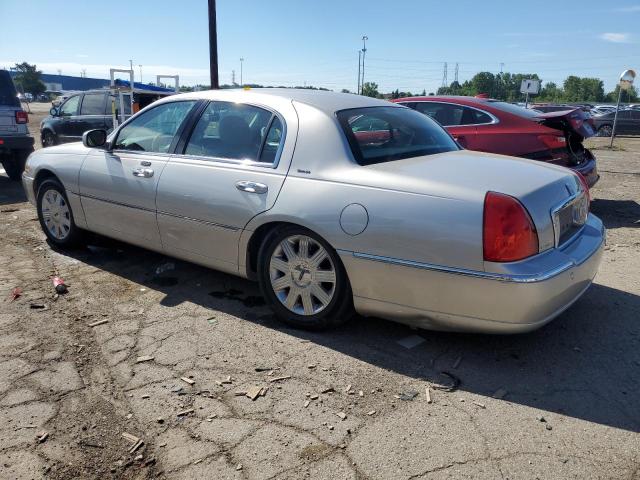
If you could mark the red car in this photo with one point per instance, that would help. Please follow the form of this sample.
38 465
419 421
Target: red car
494 126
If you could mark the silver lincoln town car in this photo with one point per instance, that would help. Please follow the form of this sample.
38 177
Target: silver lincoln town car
335 204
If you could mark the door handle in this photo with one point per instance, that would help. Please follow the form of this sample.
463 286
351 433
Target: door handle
251 187
143 172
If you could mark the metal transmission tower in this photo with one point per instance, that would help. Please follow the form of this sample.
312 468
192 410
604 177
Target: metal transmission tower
233 77
456 74
501 67
444 75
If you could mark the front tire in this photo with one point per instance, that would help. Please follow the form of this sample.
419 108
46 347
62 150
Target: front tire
303 280
605 131
49 139
55 215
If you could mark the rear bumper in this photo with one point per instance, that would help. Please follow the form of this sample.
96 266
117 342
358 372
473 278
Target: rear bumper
588 170
531 294
23 142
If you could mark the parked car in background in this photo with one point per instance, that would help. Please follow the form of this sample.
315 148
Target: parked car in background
628 123
15 142
80 112
288 187
488 125
602 109
545 108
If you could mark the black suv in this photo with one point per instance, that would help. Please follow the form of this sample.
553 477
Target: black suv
80 112
15 142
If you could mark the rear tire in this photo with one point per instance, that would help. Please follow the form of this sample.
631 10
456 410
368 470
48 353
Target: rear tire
14 166
303 280
56 217
605 131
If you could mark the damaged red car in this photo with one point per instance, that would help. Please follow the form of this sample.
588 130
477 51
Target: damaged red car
488 125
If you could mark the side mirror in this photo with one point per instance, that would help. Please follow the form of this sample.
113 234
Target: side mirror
94 138
53 112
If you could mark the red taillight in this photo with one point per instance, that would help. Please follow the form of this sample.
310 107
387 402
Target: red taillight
508 231
553 141
21 117
585 186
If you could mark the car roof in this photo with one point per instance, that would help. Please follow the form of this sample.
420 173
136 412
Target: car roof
326 101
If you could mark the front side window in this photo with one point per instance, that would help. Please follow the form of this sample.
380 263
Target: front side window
93 104
400 133
70 107
155 129
238 132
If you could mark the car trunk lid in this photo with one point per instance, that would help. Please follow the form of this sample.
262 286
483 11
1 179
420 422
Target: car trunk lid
572 122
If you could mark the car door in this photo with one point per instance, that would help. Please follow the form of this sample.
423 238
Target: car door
450 116
118 185
92 112
65 126
229 170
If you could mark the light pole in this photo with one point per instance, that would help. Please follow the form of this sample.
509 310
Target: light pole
359 62
140 67
241 62
131 68
626 82
364 52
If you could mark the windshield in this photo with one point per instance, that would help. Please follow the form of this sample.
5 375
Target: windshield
514 109
7 90
383 134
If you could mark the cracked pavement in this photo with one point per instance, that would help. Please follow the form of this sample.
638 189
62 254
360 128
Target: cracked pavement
569 407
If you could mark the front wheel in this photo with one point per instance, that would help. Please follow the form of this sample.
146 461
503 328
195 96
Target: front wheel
303 279
48 139
55 215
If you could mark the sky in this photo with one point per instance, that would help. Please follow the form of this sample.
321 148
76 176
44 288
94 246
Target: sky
304 42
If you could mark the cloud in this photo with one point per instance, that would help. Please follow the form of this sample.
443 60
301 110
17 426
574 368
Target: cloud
629 9
616 37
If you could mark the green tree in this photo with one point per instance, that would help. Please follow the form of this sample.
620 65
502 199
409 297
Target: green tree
550 92
28 79
628 96
370 89
577 89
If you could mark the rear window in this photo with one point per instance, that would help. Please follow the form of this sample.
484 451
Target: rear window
8 94
513 109
383 134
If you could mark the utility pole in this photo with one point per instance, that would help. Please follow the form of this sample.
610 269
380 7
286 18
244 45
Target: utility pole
241 62
364 52
131 68
213 46
501 67
233 77
444 75
140 67
456 74
359 62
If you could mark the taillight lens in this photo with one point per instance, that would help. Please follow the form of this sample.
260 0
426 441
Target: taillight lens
21 117
585 186
553 141
508 231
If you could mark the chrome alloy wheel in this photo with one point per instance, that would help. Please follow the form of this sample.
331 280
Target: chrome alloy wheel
56 214
302 274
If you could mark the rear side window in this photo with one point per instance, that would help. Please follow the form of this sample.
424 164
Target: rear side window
93 104
237 132
383 134
471 116
8 94
446 114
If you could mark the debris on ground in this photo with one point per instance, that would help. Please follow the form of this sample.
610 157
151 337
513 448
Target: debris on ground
411 341
16 293
254 392
165 267
42 437
136 446
371 413
212 320
348 389
144 358
408 395
427 392
500 393
341 415
478 404
328 390
548 427
306 403
277 379
542 419
59 285
226 381
185 412
239 467
38 306
132 438
187 380
451 387
263 369
99 322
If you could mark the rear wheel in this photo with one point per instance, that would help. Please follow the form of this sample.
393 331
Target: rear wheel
605 131
303 280
14 166
55 215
